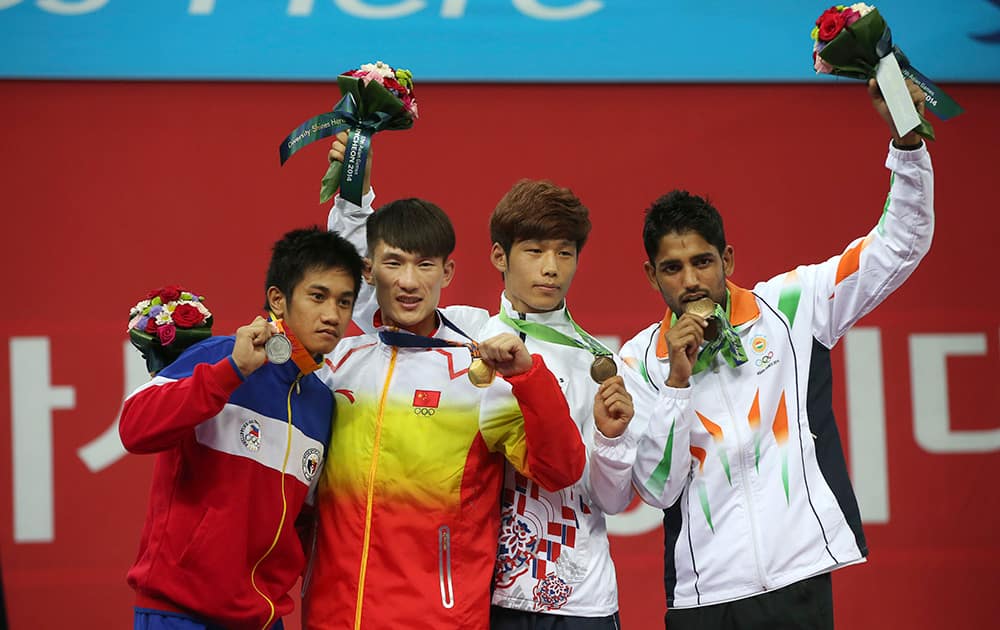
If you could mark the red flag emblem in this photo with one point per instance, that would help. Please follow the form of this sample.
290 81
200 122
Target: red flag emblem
426 398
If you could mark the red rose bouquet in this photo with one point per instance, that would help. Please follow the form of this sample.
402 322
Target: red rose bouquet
854 41
165 323
376 97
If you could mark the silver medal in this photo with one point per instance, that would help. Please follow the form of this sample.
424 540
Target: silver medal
278 348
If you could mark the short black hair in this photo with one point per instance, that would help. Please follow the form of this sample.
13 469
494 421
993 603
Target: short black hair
413 225
679 211
303 250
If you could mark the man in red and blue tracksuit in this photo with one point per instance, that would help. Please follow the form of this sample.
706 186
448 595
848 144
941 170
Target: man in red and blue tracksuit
239 444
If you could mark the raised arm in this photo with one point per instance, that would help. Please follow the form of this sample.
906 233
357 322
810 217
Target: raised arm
348 220
848 286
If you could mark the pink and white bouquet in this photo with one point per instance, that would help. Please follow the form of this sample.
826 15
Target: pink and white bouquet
166 322
375 97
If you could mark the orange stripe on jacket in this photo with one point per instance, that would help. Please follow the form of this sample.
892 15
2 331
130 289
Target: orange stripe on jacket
850 260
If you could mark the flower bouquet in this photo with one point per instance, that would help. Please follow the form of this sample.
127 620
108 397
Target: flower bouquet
375 97
855 41
165 323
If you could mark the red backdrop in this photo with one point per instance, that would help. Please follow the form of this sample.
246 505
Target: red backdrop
110 189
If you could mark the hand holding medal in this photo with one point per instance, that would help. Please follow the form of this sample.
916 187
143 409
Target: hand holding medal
505 353
601 369
613 408
705 309
250 345
718 336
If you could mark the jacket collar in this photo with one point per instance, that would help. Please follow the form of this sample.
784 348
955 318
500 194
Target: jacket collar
549 318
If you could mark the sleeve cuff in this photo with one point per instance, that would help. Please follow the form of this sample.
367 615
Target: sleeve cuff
906 155
537 363
346 207
227 375
677 393
626 439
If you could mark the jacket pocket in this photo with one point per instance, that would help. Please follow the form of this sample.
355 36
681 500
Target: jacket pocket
444 567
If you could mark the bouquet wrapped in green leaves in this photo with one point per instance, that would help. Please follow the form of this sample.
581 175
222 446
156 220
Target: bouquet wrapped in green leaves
376 97
853 41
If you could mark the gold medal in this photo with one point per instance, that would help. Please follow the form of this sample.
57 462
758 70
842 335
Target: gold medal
278 348
705 308
602 369
480 374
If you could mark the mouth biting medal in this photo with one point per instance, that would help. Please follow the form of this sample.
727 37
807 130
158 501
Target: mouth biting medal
480 374
602 368
705 308
278 348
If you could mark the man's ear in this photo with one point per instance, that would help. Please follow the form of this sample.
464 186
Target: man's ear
499 258
366 271
276 302
449 272
650 272
729 261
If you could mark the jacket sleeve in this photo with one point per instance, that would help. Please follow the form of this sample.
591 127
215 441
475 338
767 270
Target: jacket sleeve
349 221
191 390
610 473
526 417
663 451
847 287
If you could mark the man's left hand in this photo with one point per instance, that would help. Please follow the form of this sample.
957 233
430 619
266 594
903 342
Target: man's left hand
613 407
878 102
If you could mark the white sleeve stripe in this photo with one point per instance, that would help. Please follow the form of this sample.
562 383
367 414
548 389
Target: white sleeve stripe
245 433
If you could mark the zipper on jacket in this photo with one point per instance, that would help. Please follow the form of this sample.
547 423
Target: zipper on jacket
284 505
444 566
369 505
751 514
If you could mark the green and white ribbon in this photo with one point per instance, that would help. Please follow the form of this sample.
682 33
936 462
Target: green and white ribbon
543 332
727 342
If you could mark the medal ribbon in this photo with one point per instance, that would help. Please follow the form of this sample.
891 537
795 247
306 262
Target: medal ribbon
409 340
305 362
727 343
543 332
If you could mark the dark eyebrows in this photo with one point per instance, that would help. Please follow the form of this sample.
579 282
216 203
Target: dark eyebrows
708 255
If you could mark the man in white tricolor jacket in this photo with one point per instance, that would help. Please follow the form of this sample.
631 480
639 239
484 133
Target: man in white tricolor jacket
744 457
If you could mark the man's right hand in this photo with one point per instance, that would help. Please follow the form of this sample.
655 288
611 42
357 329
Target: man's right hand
337 151
248 351
683 341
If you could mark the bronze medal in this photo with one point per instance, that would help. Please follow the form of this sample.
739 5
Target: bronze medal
705 308
480 374
278 348
602 369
